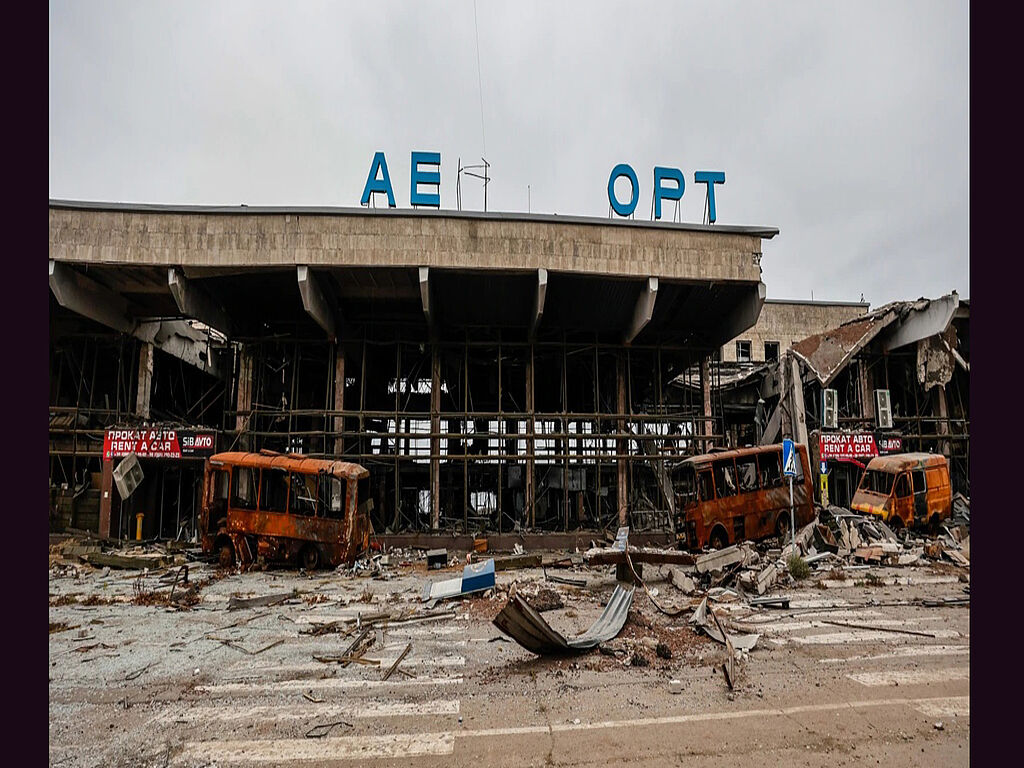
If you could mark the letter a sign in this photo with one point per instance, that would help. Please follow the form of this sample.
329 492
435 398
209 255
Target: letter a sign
788 458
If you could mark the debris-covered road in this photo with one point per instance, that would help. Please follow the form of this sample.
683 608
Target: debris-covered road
865 666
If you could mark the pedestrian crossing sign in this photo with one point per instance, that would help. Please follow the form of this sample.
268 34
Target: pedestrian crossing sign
788 458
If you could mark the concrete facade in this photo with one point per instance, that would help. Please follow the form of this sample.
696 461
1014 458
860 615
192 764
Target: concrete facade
237 237
787 322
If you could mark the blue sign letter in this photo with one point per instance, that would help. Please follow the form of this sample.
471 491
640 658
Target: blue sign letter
710 178
623 169
667 193
425 177
373 184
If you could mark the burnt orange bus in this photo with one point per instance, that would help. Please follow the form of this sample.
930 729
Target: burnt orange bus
730 496
285 507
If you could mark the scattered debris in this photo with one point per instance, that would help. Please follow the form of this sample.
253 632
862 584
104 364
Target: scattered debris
398 661
716 633
525 625
319 731
238 603
476 577
719 559
546 600
565 580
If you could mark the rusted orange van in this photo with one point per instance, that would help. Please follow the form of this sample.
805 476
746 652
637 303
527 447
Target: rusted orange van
906 490
285 507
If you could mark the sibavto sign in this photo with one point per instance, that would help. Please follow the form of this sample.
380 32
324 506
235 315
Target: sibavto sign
425 171
156 443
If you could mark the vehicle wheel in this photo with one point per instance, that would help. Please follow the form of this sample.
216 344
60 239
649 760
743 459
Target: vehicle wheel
895 523
310 558
718 539
933 525
226 556
782 527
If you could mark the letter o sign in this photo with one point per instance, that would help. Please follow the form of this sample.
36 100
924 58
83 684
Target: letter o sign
623 169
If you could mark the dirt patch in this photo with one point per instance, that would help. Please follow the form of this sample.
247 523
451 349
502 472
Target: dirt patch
60 626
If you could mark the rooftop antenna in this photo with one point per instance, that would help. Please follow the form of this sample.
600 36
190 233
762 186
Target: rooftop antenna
468 170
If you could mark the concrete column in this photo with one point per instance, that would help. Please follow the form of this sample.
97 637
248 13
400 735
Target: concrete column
622 443
244 401
941 411
339 398
106 497
705 388
531 430
798 413
867 392
145 383
435 442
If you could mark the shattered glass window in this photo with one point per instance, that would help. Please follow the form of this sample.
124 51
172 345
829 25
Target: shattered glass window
877 482
770 465
725 478
244 495
746 468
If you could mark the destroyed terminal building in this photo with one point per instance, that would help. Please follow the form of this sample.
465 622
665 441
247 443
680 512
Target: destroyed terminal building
506 373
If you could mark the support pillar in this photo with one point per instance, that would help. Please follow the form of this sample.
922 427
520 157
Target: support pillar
797 411
941 411
531 430
435 441
106 497
622 443
707 428
243 404
867 393
145 383
339 399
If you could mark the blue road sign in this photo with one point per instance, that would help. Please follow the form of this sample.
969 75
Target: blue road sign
788 458
824 467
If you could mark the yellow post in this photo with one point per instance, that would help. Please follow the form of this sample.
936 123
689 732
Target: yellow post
824 490
138 525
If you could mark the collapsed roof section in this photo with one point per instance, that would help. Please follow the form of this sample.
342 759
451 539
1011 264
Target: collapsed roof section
895 325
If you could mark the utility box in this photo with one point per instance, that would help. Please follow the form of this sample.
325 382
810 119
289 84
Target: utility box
437 559
128 475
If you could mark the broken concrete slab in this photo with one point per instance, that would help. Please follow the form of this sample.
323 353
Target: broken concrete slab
722 558
766 578
681 581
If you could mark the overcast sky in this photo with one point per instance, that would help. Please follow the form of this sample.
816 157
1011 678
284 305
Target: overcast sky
843 124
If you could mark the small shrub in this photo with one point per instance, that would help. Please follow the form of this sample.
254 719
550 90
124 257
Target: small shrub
798 567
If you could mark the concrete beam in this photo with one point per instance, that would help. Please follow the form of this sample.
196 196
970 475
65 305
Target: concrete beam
744 315
195 302
923 323
314 301
772 428
538 300
425 295
86 297
644 309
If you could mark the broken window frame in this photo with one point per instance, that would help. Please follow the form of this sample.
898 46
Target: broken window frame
741 356
773 356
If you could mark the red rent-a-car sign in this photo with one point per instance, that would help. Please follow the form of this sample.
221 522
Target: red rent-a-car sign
155 443
855 446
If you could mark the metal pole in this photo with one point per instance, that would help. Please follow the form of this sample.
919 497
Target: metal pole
792 514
